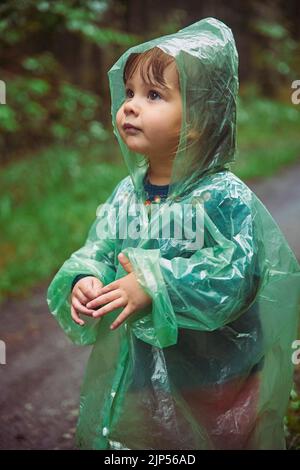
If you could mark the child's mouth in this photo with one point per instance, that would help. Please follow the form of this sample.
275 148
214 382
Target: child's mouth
131 130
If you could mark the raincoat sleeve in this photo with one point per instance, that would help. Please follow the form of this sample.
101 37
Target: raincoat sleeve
207 290
96 258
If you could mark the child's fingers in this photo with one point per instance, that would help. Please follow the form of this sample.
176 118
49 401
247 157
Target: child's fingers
81 308
96 293
90 292
97 285
125 262
87 291
109 287
76 317
104 299
121 318
81 297
120 302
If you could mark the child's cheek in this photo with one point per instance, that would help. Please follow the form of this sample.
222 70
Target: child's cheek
118 119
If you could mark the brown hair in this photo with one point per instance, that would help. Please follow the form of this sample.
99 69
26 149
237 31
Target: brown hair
155 60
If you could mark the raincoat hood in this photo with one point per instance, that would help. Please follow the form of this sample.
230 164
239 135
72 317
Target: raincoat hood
207 64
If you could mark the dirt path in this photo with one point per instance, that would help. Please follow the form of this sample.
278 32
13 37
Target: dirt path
41 379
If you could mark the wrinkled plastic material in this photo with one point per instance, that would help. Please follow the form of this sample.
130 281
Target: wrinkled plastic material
209 364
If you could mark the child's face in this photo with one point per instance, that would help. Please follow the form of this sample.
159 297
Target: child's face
156 112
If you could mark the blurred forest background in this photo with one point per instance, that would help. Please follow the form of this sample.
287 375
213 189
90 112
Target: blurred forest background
58 156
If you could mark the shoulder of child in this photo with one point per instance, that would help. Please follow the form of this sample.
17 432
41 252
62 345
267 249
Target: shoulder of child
223 187
124 186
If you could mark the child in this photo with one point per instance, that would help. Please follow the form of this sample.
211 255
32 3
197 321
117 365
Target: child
192 338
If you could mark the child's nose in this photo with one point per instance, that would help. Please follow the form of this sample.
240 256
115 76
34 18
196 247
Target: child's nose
132 106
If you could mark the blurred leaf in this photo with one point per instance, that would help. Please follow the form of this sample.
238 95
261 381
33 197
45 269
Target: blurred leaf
272 30
8 120
38 86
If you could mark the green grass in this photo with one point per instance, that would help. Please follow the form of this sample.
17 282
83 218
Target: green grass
47 207
48 201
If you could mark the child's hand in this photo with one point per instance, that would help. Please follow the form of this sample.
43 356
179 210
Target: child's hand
84 290
124 292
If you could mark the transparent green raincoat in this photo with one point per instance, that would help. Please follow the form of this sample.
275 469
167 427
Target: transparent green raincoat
209 364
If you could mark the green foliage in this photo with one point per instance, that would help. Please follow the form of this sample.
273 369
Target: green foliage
275 54
19 19
8 122
267 135
42 109
42 105
292 421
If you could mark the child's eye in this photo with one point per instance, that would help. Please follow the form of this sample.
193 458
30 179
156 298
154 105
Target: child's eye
127 91
154 94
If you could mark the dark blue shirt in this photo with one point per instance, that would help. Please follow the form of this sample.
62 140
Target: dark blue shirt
153 190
